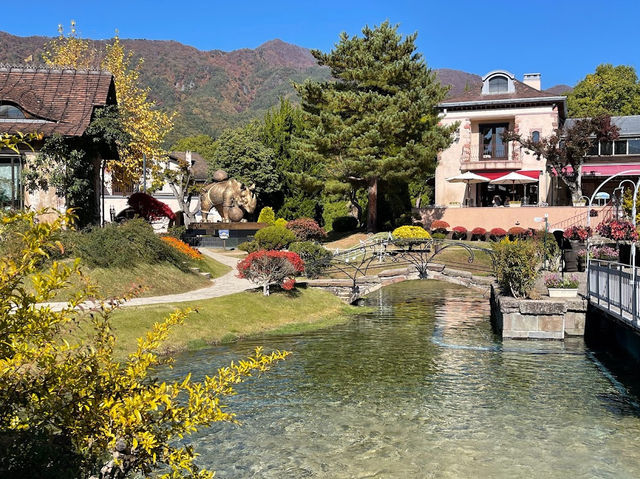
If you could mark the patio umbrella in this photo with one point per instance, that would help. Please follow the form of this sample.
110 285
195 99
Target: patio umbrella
513 178
469 178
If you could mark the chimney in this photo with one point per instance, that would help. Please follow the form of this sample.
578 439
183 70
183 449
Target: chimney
532 80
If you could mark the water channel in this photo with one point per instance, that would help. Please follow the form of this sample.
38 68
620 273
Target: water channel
422 388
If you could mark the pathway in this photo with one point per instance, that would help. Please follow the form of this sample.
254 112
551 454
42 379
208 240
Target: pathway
222 286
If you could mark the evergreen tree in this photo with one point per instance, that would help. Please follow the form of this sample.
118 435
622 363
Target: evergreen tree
376 120
201 144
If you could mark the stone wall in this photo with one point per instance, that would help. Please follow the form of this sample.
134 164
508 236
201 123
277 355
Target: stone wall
548 318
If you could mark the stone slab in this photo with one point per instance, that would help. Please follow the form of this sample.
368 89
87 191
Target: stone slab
542 307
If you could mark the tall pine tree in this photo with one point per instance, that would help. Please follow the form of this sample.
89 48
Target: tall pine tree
376 120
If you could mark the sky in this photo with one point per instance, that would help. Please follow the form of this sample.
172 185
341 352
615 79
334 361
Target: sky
564 40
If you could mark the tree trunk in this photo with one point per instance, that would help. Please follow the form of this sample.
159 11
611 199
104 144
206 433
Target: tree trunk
356 209
372 217
265 289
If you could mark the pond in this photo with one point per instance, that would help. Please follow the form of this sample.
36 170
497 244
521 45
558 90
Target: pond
422 387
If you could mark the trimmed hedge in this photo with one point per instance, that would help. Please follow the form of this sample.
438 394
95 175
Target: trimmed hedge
274 238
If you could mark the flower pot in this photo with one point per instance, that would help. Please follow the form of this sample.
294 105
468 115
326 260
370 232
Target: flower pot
563 292
582 263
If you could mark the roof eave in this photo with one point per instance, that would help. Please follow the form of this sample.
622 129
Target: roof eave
504 101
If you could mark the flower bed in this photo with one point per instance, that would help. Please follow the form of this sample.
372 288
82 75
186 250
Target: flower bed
555 281
182 247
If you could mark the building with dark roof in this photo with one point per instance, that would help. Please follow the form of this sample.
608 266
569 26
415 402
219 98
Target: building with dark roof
47 100
484 112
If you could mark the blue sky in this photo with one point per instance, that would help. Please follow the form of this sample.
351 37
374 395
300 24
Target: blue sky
564 40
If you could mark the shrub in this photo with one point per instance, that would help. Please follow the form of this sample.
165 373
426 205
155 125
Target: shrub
517 266
149 208
459 232
439 226
176 231
438 235
124 245
413 232
274 237
182 247
496 234
306 229
280 222
343 224
578 233
248 246
617 230
315 257
478 233
517 232
547 245
271 267
267 215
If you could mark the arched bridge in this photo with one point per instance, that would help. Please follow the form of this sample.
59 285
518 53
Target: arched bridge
373 256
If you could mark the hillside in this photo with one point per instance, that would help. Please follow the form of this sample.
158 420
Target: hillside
213 90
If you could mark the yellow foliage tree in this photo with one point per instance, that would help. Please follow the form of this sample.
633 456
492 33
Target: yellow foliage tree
59 379
142 121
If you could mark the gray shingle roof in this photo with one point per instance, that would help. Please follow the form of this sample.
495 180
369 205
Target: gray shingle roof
629 125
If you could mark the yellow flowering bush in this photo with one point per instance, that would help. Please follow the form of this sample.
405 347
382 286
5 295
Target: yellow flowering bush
411 232
64 396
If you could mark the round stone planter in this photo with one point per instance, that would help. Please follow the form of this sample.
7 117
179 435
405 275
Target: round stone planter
563 292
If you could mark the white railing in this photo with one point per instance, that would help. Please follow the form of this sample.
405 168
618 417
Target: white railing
613 287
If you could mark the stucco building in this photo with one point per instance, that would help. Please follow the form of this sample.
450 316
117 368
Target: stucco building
501 103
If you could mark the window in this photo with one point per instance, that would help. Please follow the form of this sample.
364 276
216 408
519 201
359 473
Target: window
498 84
535 137
593 149
491 144
634 146
10 185
606 148
620 147
10 112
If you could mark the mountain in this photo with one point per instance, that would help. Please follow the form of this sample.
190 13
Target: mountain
213 90
560 89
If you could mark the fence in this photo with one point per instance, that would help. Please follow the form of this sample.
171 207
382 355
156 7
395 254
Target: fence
613 287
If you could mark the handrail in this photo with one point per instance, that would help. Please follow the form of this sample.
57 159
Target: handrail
614 287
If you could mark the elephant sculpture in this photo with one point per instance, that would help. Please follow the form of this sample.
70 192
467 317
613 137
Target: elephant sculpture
229 197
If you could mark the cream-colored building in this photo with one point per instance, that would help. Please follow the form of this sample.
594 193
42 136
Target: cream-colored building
501 103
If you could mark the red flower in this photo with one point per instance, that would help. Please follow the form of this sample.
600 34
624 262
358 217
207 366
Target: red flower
578 233
498 232
478 231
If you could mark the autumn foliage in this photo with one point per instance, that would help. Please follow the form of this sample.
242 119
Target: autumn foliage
271 267
306 229
149 208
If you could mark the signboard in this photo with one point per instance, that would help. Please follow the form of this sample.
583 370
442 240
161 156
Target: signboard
538 219
223 234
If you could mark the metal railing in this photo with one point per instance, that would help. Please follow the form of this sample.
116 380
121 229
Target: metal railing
613 287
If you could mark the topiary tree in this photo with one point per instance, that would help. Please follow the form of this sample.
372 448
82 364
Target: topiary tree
267 215
274 237
65 395
271 267
411 232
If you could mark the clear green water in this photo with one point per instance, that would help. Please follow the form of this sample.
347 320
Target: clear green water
422 388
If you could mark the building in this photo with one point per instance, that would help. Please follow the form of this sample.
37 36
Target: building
500 103
47 101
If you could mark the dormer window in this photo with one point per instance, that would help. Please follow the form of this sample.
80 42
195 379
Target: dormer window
498 84
10 112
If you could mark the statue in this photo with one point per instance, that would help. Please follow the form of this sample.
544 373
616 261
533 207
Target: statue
229 197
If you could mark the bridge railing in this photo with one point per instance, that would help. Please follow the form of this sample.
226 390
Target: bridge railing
614 287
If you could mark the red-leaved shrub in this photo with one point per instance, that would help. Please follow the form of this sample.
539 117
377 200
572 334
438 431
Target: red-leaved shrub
149 208
497 234
459 232
439 226
577 233
271 267
306 229
516 232
478 233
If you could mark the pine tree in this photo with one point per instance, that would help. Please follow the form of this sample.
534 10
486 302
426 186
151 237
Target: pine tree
376 120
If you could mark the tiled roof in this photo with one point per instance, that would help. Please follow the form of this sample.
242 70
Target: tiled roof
55 100
200 166
522 93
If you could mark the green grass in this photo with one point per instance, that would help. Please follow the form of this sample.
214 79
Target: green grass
154 279
233 317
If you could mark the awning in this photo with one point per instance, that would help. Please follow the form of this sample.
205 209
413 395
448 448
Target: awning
495 174
609 170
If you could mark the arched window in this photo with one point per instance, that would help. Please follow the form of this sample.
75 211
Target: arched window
535 137
498 84
10 112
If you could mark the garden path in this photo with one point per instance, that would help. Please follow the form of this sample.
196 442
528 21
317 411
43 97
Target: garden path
222 286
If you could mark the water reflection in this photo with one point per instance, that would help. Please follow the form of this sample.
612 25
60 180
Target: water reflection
422 387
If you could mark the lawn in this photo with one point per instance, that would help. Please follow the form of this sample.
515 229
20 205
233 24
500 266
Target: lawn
233 317
154 279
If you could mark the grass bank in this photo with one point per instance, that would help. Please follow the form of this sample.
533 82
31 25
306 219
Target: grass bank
233 317
155 279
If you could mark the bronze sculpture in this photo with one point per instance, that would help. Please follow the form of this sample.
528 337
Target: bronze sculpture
229 197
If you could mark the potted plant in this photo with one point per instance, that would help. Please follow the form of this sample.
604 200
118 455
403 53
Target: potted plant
560 287
578 233
582 258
